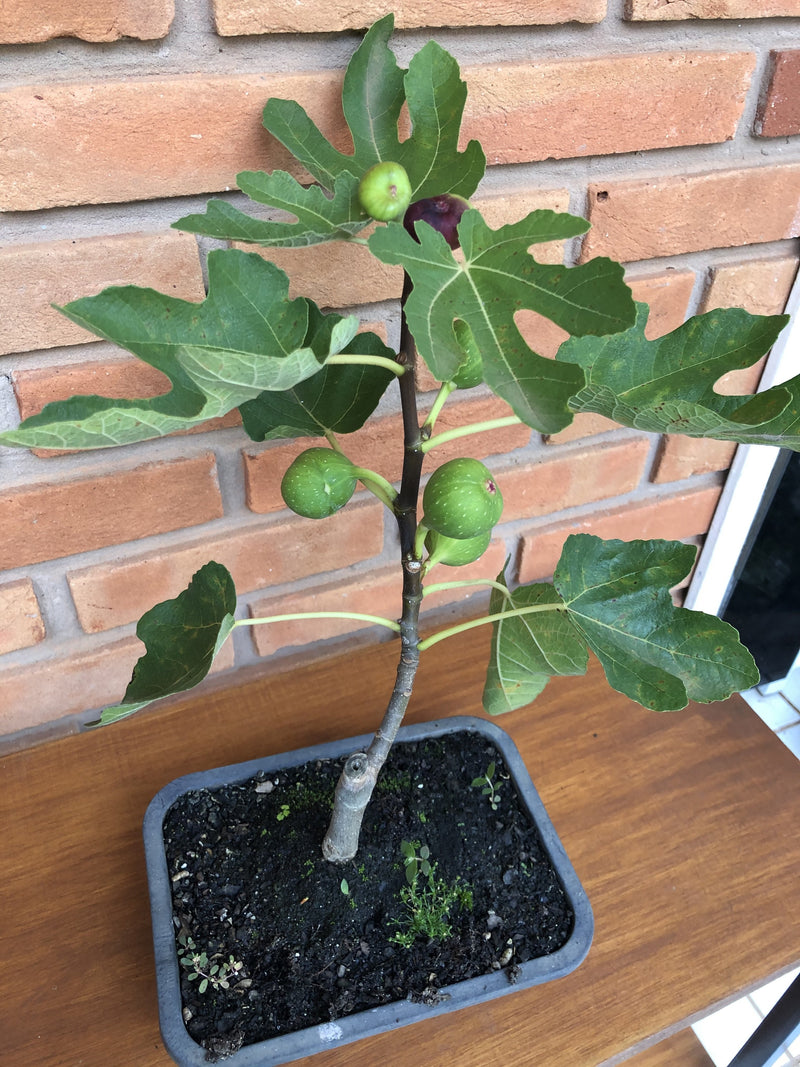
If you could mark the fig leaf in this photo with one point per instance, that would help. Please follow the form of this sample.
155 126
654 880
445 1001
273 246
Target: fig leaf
246 337
496 278
667 385
182 638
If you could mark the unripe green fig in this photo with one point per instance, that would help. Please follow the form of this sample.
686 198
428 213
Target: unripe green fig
470 370
385 191
318 482
461 499
455 553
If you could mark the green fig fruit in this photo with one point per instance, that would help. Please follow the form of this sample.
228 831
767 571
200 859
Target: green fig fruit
461 499
384 192
455 553
318 482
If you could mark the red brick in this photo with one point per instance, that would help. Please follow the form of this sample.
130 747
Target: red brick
667 215
110 141
258 557
21 623
156 137
337 274
572 478
378 446
779 110
609 104
49 520
33 277
91 20
374 593
74 681
677 517
761 286
670 10
232 18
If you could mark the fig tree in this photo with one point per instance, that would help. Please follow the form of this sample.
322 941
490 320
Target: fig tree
461 499
453 552
318 482
384 192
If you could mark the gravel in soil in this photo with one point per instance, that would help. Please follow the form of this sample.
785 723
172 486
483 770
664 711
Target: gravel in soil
297 941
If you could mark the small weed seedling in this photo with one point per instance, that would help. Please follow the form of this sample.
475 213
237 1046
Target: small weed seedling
216 975
490 789
428 899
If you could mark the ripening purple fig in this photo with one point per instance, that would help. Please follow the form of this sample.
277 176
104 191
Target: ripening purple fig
442 212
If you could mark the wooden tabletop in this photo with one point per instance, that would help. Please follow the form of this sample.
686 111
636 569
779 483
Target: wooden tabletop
682 828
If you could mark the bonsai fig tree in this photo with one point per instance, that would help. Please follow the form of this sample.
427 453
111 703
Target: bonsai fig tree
294 371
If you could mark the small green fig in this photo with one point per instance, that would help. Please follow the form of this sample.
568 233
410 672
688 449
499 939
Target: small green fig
453 552
461 499
318 482
384 192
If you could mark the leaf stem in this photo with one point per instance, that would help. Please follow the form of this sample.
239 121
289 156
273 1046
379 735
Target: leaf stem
378 485
473 427
434 639
356 360
445 390
294 616
440 587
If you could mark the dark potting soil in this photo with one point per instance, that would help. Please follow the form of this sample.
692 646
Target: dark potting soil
312 941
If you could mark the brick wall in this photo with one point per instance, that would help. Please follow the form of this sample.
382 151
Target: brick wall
673 126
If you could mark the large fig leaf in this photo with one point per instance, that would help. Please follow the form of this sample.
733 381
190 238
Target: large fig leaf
667 385
182 638
617 595
246 337
485 288
374 91
527 650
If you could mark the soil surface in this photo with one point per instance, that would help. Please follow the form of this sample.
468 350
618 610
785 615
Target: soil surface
312 941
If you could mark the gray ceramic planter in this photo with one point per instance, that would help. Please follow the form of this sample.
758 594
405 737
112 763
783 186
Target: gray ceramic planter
286 1048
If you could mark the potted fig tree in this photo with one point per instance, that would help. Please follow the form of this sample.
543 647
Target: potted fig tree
293 371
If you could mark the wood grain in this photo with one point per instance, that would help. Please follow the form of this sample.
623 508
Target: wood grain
682 827
682 1050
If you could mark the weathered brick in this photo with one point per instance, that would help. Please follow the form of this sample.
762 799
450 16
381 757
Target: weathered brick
373 593
91 20
378 446
779 109
35 276
21 623
667 215
155 137
761 286
572 478
337 274
596 106
232 18
109 141
49 520
671 10
258 557
676 517
667 294
74 680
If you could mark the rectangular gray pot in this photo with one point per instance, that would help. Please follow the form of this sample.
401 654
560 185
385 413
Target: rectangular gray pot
288 1047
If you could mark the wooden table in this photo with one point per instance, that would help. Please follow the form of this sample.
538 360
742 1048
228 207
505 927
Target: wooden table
682 827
